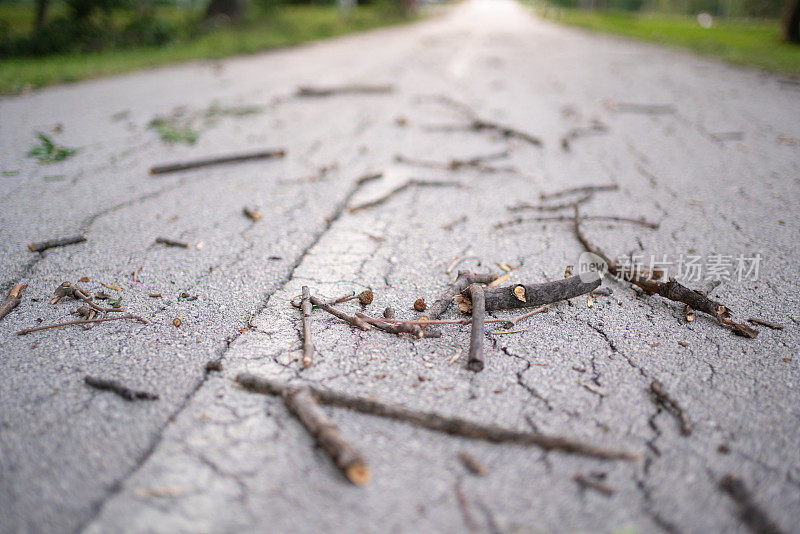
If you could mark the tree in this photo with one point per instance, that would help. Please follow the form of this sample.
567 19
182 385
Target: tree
233 9
791 21
41 13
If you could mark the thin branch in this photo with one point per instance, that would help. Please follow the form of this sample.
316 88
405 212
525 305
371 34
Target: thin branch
439 423
671 290
405 327
12 300
399 189
479 163
578 190
172 242
308 346
750 512
82 322
531 296
762 322
662 397
552 207
52 243
66 289
317 92
565 218
648 109
115 387
349 319
475 359
594 484
597 128
463 280
185 165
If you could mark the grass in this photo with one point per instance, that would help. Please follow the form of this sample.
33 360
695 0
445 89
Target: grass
285 26
744 42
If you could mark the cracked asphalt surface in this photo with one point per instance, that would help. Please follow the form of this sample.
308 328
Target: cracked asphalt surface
211 457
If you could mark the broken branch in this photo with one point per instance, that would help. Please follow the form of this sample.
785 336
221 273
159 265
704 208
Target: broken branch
475 359
182 166
12 300
308 347
171 242
115 387
52 243
530 296
81 321
463 280
578 190
317 92
439 423
662 397
349 319
520 220
749 511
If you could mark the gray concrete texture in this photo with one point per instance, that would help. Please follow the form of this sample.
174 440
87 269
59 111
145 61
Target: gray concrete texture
211 457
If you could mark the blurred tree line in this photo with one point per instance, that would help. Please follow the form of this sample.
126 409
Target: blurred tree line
92 25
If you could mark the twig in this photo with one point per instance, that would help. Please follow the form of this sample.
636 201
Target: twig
478 163
369 178
349 319
750 512
671 290
458 260
404 327
475 355
512 322
710 286
136 273
252 214
564 218
592 483
463 280
596 128
182 166
308 346
662 397
52 243
578 190
81 321
751 320
439 423
115 387
531 296
475 466
66 289
650 109
551 207
171 242
317 92
400 189
12 300
477 124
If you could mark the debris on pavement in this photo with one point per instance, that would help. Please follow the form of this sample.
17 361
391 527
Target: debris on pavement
12 300
172 242
307 91
236 158
750 512
473 465
52 243
594 481
120 389
308 346
399 189
662 398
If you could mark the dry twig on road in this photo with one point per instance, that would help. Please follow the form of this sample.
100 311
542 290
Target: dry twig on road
478 163
662 398
750 512
611 218
120 389
462 281
532 296
52 243
399 189
308 91
12 300
82 322
308 346
475 359
172 242
236 158
349 319
432 421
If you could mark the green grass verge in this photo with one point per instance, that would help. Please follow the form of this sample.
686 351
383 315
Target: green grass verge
745 42
287 26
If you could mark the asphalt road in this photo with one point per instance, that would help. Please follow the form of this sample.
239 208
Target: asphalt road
718 170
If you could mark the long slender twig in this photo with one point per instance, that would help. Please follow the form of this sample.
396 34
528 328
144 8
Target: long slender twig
120 389
81 321
479 163
578 190
551 207
565 218
185 165
349 319
52 243
432 421
406 327
670 290
12 300
308 346
535 295
317 92
399 189
475 359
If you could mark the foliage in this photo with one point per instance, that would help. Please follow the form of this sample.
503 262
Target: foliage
48 152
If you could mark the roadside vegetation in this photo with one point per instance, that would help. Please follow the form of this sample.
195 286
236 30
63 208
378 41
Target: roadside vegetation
114 37
704 27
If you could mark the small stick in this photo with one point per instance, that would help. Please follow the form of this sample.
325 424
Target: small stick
478 163
136 273
750 512
252 214
531 296
432 421
751 320
552 207
182 166
463 280
475 358
400 189
12 300
349 319
396 328
564 218
171 242
52 243
661 396
592 483
475 466
308 346
578 190
317 92
66 289
115 387
688 312
81 321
